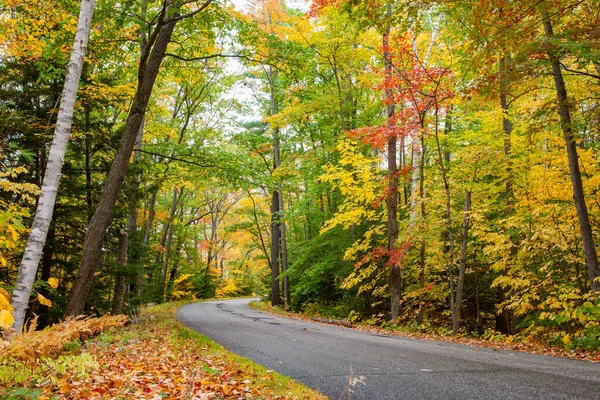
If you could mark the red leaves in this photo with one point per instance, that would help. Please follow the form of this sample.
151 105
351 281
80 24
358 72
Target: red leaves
318 5
381 254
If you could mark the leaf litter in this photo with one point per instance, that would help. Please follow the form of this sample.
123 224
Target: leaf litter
157 358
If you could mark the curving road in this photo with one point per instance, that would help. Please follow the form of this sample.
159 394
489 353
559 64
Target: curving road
327 358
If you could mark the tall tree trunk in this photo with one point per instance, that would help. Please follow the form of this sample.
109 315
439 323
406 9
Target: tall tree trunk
448 211
119 291
284 260
504 319
45 206
102 217
165 268
151 212
275 251
276 202
591 257
422 250
173 274
168 236
391 201
88 175
477 301
463 265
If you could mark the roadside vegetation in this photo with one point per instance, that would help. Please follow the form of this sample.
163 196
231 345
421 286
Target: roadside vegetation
154 356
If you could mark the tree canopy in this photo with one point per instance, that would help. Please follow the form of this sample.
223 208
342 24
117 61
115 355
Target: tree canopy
431 163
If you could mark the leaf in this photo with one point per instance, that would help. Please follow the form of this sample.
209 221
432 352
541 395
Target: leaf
4 303
566 339
6 319
44 301
53 282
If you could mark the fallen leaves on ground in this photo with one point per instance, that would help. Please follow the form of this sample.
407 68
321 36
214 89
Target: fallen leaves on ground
157 358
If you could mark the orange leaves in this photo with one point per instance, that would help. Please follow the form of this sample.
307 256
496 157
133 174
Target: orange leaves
43 300
33 344
155 358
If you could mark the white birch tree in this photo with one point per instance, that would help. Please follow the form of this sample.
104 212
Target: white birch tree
45 208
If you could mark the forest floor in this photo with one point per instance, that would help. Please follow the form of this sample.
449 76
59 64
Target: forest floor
499 342
155 357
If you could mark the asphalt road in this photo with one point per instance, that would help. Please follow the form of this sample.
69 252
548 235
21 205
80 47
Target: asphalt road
327 358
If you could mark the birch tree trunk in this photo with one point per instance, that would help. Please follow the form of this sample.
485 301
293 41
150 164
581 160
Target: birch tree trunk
45 207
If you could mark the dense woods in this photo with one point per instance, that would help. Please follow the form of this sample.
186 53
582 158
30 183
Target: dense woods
433 164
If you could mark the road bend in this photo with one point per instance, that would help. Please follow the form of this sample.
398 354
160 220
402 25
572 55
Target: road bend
345 363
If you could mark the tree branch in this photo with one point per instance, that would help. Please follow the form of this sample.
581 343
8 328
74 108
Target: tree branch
584 73
174 158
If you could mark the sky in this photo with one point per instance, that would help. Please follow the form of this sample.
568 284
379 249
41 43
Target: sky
247 91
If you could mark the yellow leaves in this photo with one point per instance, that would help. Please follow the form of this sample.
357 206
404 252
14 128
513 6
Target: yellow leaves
566 339
4 300
43 300
6 316
358 179
33 33
6 310
27 190
53 282
229 289
6 319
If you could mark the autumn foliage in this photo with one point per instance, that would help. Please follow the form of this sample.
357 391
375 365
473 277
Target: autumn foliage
153 356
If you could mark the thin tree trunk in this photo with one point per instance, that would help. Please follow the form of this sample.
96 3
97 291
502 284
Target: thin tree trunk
504 320
449 229
477 301
165 268
150 219
591 257
101 220
88 177
276 232
275 241
168 236
422 250
421 282
284 260
119 291
463 265
414 182
391 201
45 206
263 246
173 274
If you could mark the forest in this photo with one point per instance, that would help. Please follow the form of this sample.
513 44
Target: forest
432 163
